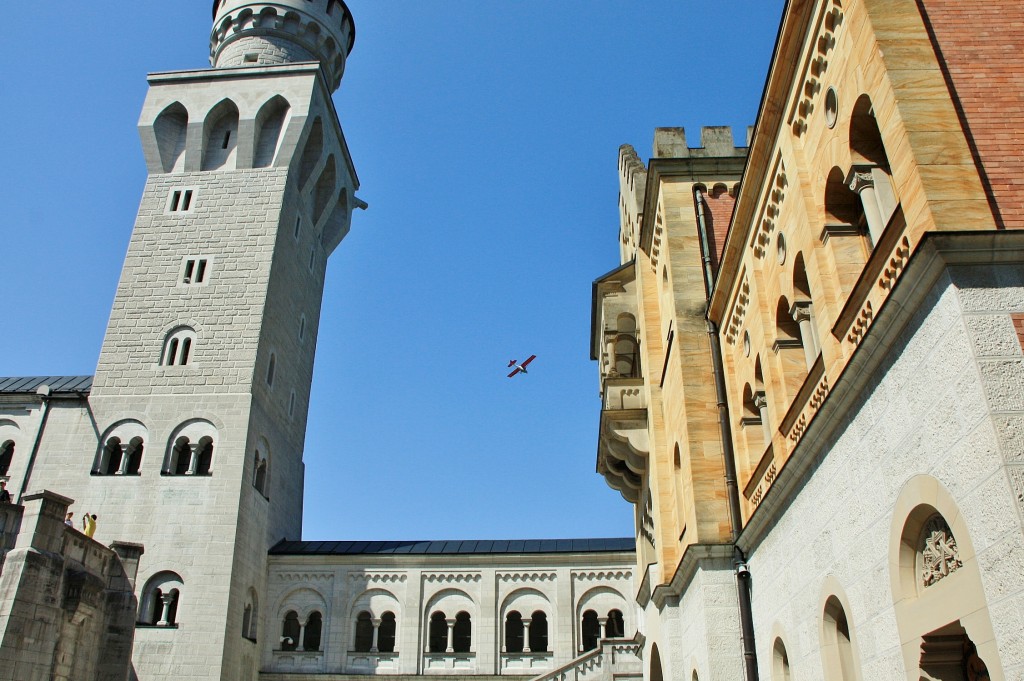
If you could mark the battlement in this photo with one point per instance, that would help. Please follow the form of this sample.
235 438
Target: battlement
247 33
715 142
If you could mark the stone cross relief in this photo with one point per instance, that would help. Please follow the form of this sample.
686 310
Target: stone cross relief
939 554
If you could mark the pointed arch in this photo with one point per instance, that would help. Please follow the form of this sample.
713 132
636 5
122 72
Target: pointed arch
311 152
271 121
220 136
171 130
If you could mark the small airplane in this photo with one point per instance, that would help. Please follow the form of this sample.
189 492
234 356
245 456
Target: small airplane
520 367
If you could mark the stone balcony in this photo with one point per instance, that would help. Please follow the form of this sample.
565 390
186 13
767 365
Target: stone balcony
623 443
372 663
527 664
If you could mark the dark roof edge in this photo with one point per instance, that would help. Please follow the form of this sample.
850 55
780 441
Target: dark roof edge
28 385
455 547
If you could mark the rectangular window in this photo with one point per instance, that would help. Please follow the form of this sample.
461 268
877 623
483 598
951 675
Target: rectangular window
180 200
194 271
298 226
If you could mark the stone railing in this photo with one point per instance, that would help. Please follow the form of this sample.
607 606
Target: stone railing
372 663
528 664
447 663
612 659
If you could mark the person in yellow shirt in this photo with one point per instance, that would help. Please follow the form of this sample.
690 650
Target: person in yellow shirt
89 521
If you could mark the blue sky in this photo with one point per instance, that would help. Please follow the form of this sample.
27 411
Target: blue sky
485 136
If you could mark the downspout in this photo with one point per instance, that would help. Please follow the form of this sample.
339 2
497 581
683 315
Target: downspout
725 431
44 395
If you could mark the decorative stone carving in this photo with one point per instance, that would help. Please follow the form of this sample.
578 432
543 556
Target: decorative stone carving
518 577
739 310
377 577
602 575
305 576
896 264
815 65
860 327
770 210
451 577
938 551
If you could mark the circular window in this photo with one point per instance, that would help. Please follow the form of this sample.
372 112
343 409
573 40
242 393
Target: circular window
831 107
780 245
746 344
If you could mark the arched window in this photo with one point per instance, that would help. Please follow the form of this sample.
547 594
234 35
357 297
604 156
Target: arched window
616 626
270 122
538 632
462 635
251 616
590 630
178 347
262 468
170 130
788 345
160 598
438 633
6 455
780 662
802 312
837 648
325 190
364 632
220 137
869 176
190 457
119 459
386 633
513 632
311 152
205 457
290 631
311 635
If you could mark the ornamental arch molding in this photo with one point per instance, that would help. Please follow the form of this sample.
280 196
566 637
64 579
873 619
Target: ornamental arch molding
376 602
935 579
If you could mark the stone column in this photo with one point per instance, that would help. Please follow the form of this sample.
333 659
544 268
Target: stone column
123 468
761 403
376 631
302 635
603 621
862 181
168 601
610 350
193 462
451 635
526 635
801 313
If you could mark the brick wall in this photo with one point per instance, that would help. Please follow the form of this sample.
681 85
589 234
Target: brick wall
980 45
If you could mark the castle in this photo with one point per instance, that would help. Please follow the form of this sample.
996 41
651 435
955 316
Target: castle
810 356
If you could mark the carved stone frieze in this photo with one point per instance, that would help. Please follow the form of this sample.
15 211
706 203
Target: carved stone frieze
771 209
816 63
601 575
896 264
519 577
938 551
377 577
451 577
860 327
315 577
739 310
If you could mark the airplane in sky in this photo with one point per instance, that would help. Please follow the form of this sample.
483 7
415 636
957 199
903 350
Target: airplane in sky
520 367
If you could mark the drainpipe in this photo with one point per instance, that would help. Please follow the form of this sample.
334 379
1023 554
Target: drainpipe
44 393
731 485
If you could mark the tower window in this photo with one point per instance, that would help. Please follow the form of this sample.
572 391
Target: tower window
178 347
302 327
291 404
271 368
180 200
195 271
312 257
298 227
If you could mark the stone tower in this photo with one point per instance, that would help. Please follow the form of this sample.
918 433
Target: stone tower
200 396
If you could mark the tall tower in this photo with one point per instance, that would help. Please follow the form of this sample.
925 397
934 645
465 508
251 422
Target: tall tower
200 396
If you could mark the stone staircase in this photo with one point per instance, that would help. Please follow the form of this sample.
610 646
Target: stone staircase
612 660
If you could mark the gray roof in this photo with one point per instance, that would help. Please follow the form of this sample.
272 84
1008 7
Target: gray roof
58 384
463 546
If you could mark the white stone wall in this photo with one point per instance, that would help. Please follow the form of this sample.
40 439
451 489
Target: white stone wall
414 587
943 402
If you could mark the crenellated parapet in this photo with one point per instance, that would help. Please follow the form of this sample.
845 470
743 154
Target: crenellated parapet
286 31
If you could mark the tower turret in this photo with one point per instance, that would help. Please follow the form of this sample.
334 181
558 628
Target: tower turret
283 31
